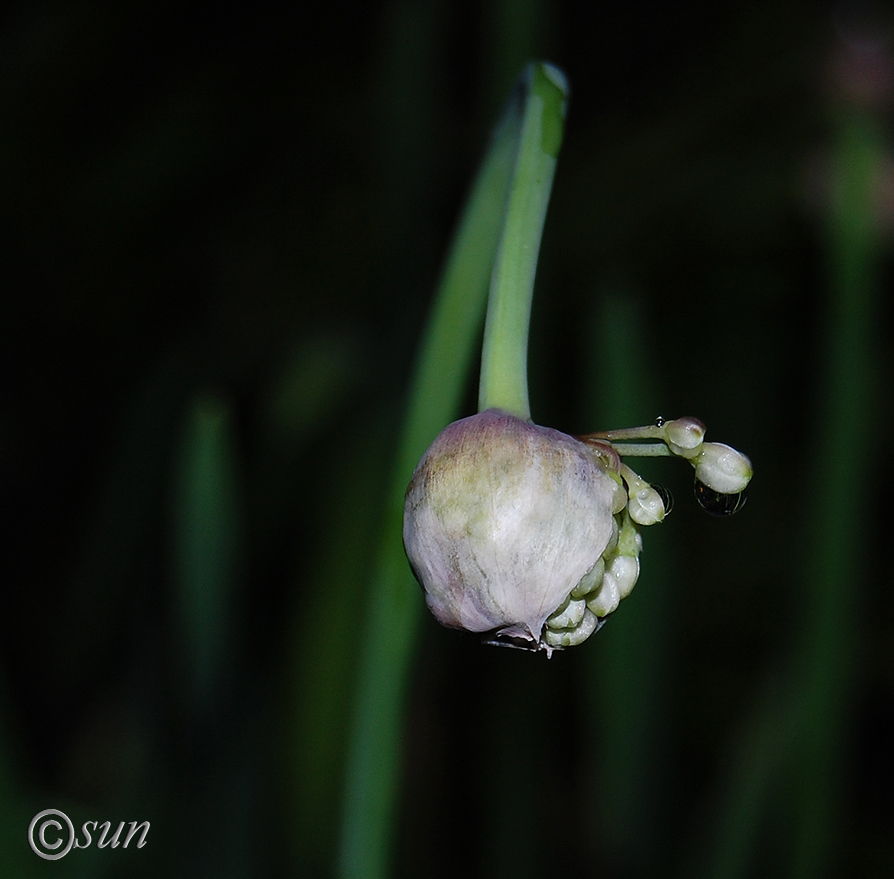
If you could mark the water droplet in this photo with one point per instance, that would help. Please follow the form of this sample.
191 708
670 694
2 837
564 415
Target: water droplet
498 639
666 497
718 504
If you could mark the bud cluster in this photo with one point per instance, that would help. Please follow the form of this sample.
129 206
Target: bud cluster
531 535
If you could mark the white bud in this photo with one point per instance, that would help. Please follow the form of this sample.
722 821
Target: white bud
625 570
646 506
572 637
684 436
503 519
620 496
722 468
569 614
607 599
591 581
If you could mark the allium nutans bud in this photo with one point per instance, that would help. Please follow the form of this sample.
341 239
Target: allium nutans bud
722 468
533 536
503 521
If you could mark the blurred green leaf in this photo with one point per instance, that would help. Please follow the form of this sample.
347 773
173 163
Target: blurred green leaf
206 546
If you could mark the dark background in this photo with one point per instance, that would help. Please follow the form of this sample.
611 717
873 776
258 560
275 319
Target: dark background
235 215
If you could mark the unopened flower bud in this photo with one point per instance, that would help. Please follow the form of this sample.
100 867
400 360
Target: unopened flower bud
606 600
645 505
722 468
590 581
684 436
559 638
625 570
569 614
503 520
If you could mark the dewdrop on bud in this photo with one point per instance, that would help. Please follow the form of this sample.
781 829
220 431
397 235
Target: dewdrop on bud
645 505
722 469
503 520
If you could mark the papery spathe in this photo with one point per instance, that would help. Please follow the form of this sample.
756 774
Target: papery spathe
503 519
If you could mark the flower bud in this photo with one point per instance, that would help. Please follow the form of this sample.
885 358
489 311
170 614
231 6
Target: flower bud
646 506
684 436
503 520
590 581
722 468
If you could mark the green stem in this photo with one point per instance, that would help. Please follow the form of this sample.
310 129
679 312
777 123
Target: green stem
650 431
642 450
391 621
504 374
